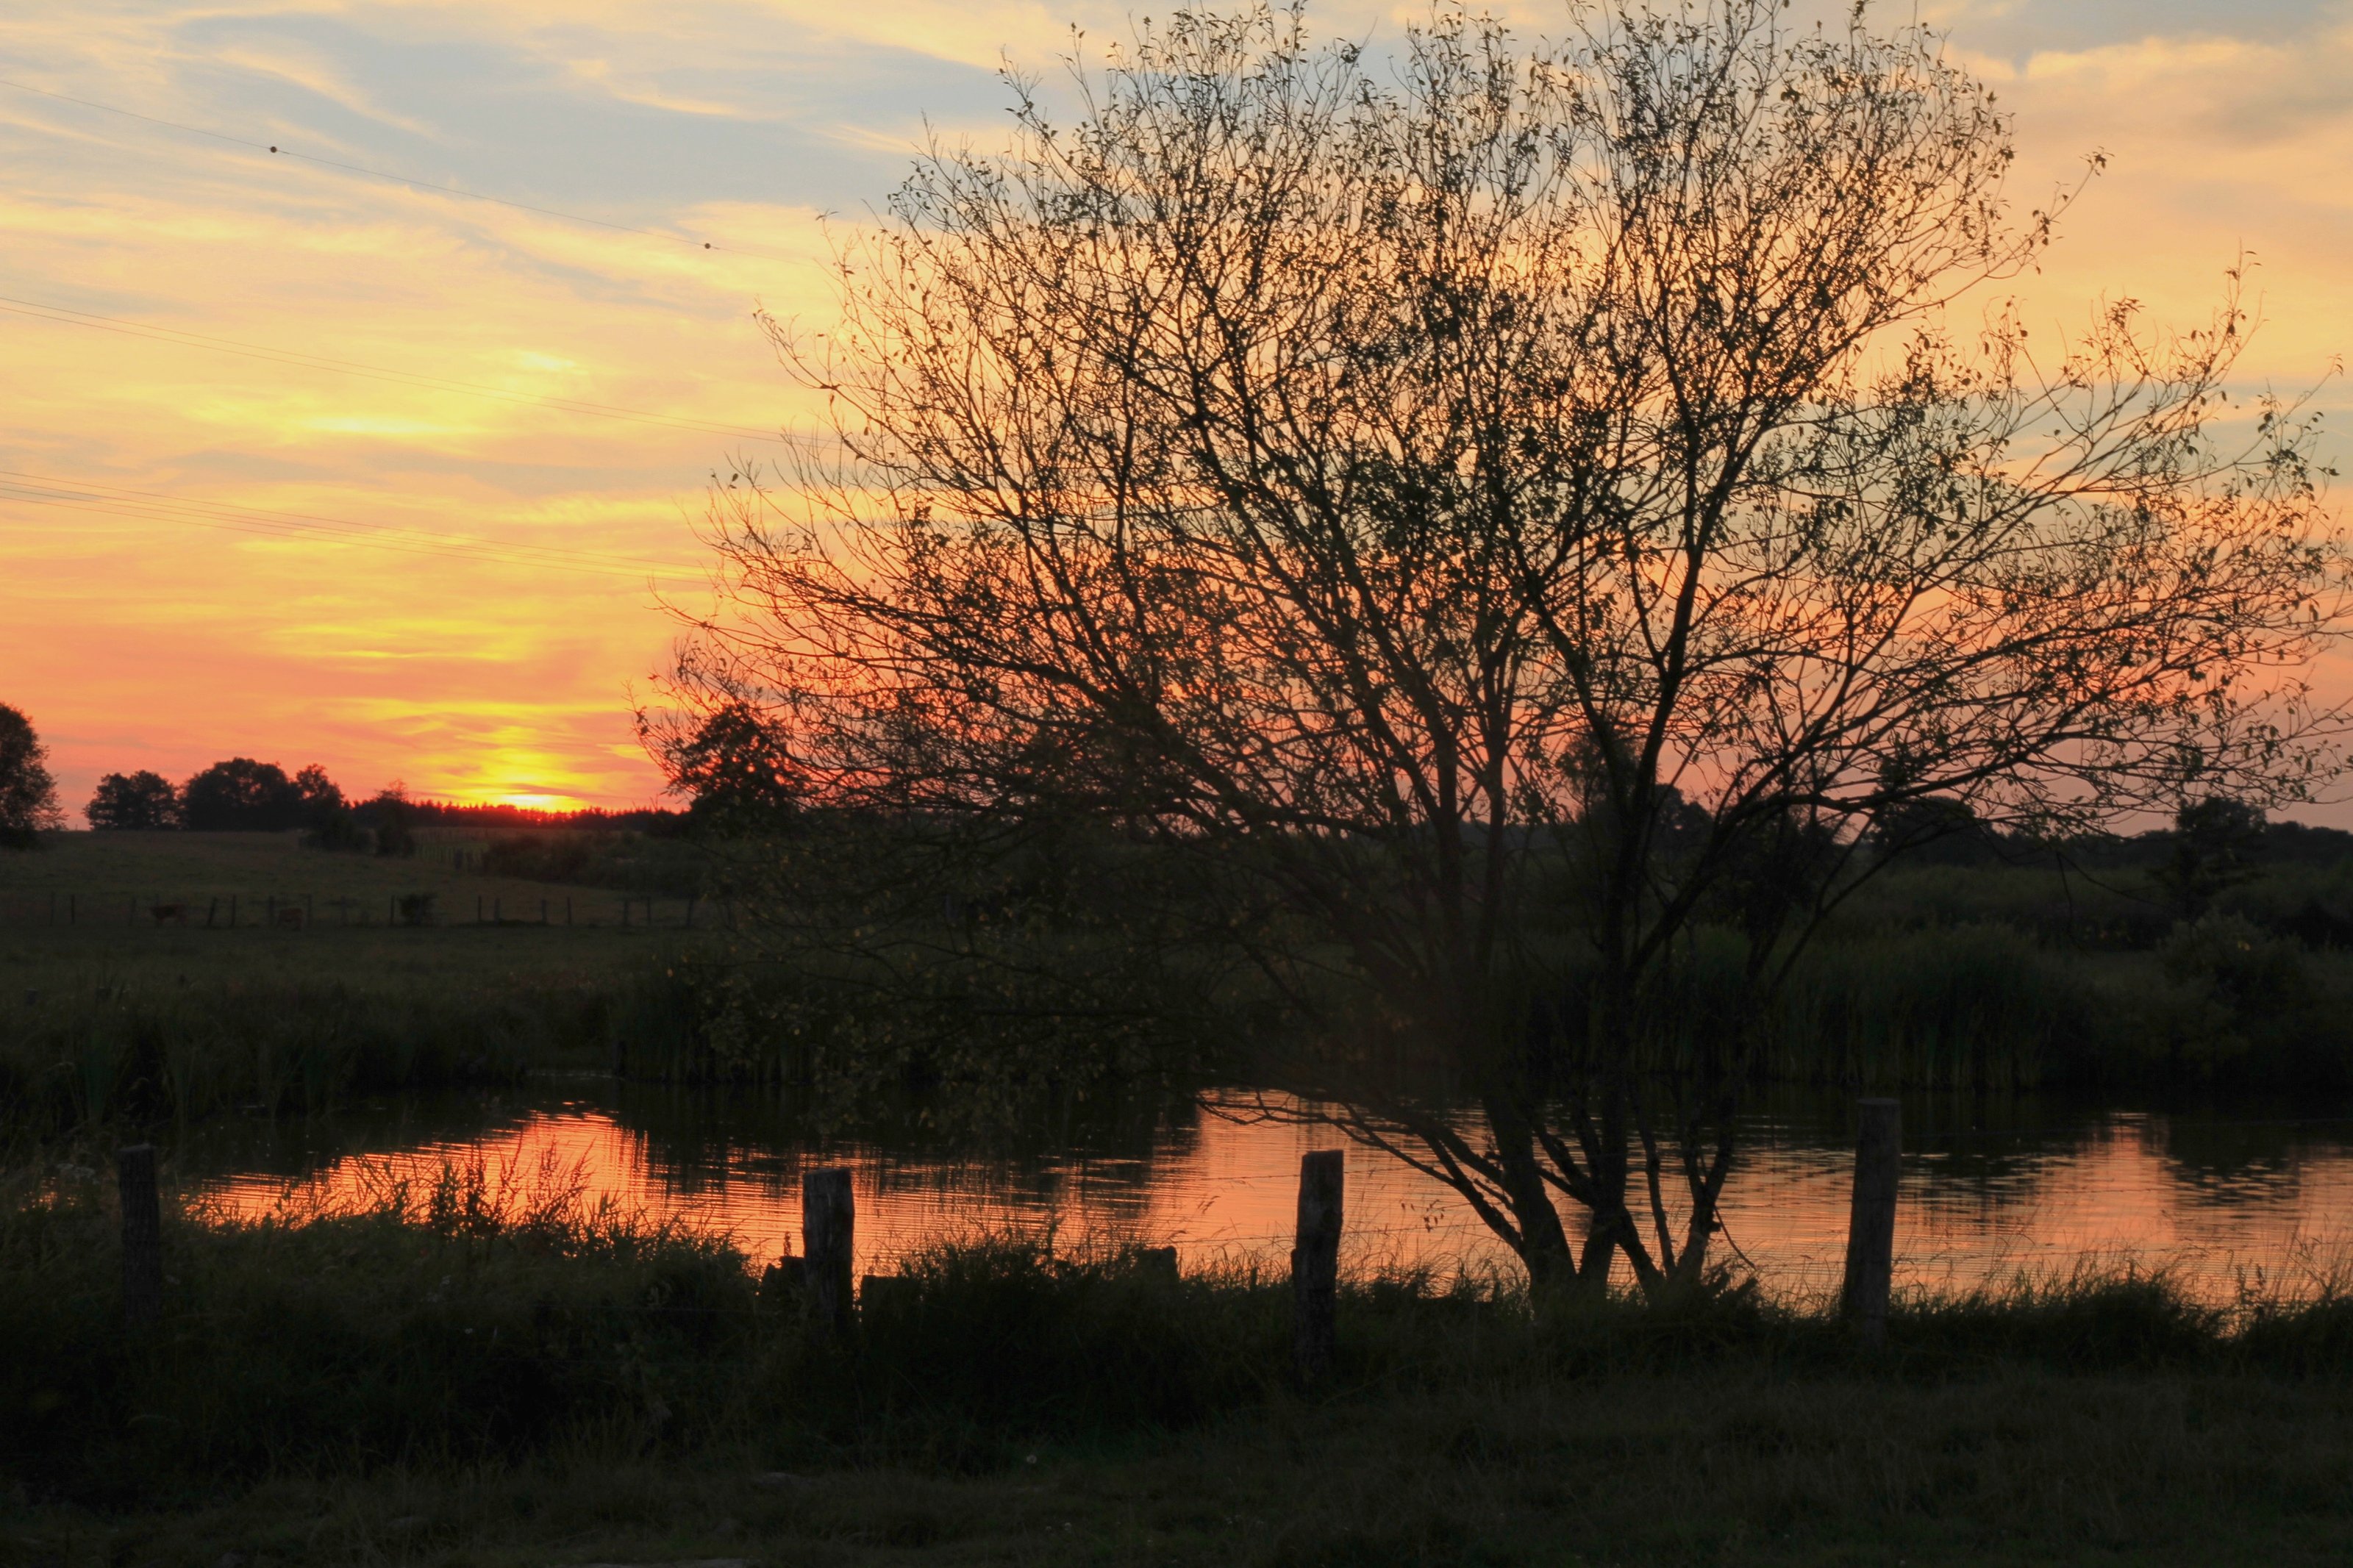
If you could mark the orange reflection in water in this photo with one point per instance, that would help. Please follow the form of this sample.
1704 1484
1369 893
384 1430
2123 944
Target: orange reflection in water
1225 1191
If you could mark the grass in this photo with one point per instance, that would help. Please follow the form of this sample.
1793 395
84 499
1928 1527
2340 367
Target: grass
2027 1468
107 872
1943 977
106 1020
467 1374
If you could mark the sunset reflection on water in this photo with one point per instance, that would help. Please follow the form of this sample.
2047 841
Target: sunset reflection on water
2217 1201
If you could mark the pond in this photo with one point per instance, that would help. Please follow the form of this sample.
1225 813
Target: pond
2249 1193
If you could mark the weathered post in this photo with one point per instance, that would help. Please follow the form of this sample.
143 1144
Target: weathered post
143 1235
828 1222
1315 1266
1871 1223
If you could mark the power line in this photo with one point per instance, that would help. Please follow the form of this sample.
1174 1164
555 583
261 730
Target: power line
396 179
82 496
65 316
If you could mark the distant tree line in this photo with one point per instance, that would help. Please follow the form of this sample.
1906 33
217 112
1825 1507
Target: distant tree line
455 814
243 795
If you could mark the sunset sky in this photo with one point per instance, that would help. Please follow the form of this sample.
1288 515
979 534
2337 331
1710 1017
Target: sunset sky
213 544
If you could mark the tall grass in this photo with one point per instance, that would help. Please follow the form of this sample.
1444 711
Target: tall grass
474 1320
1986 1008
1976 1007
104 1053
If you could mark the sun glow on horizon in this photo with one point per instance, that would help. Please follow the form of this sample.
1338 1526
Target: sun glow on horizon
442 556
549 802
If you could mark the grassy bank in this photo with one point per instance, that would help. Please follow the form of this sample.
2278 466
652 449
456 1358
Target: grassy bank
117 1018
467 1375
1963 978
113 880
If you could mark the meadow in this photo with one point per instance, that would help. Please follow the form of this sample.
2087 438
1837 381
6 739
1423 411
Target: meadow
289 979
109 1013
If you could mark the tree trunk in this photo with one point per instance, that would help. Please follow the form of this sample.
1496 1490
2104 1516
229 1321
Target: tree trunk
1544 1243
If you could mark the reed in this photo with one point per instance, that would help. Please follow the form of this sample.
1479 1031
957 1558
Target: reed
483 1319
99 1054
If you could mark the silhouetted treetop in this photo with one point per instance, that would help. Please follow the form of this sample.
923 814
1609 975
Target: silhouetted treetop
241 796
141 800
28 795
733 765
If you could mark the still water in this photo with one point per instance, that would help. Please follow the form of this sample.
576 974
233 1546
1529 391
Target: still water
2248 1194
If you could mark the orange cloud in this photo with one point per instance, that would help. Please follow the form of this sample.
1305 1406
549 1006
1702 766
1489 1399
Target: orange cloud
481 595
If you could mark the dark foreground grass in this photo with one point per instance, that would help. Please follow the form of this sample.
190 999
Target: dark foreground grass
464 1376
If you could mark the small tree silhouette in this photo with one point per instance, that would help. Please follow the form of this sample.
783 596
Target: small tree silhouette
241 795
396 834
2218 843
28 795
135 801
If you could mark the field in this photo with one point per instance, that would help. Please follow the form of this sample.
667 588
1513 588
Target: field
288 978
114 882
105 1011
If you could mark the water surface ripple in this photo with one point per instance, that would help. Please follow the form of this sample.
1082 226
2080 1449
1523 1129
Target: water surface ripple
2228 1198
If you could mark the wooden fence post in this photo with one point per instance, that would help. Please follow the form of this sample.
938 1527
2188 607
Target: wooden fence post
828 1222
1315 1266
1871 1223
143 1235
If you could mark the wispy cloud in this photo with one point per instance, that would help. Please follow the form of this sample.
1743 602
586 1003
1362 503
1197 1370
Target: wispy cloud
162 640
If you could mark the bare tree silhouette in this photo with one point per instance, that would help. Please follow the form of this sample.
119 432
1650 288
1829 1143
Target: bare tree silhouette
1503 524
